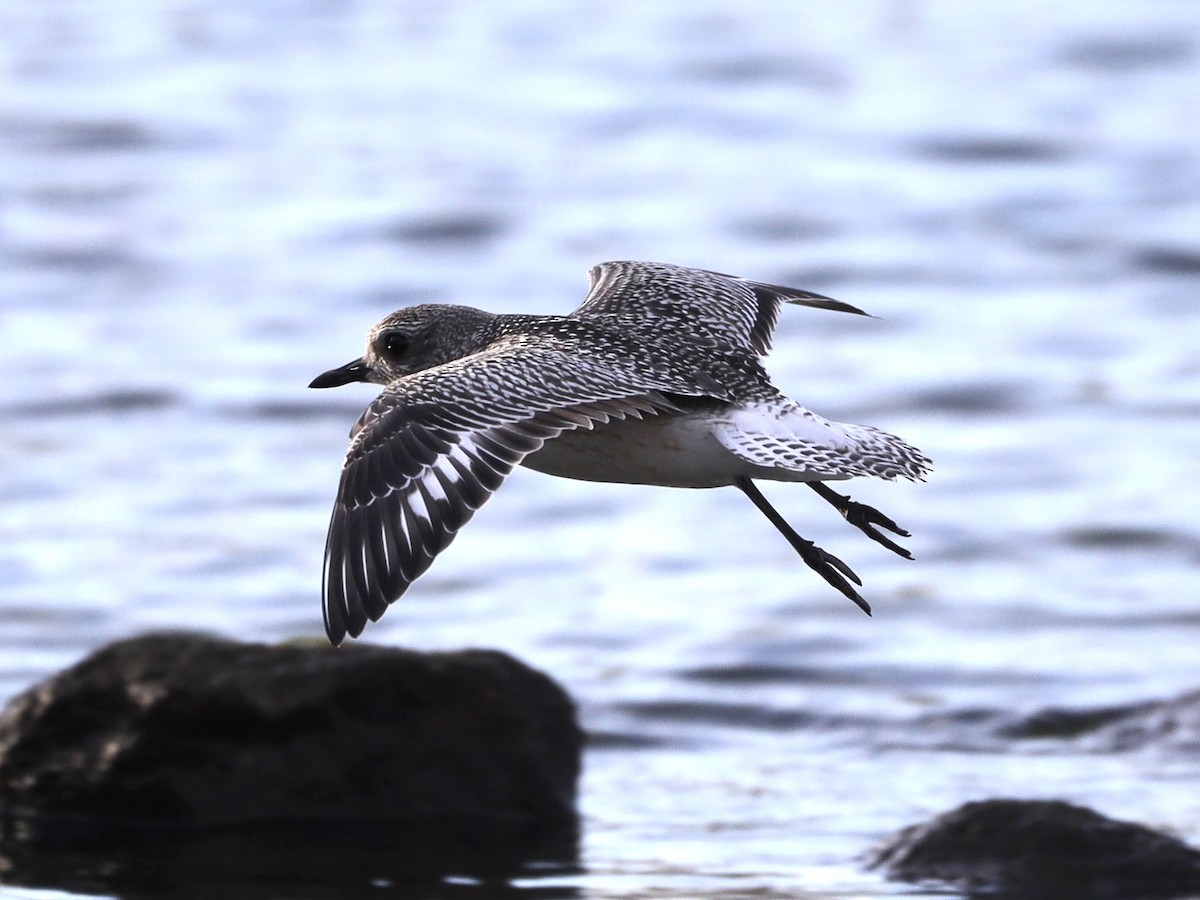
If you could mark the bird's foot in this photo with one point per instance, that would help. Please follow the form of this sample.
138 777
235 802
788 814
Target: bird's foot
833 570
865 518
828 566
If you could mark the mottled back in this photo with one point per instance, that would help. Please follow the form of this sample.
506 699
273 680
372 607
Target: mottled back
660 301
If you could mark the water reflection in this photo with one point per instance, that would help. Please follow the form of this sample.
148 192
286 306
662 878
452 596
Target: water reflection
299 861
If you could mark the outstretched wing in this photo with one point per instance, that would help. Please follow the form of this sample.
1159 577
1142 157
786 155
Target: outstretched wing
706 307
433 447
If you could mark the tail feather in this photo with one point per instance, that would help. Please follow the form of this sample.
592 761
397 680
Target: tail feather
799 445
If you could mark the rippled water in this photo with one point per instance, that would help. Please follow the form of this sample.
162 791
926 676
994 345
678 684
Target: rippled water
204 205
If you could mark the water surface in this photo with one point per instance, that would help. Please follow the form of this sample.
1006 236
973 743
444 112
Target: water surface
204 206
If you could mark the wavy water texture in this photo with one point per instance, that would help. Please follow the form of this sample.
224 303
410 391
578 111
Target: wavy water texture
206 206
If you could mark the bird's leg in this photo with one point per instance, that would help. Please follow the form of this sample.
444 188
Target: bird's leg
863 517
824 564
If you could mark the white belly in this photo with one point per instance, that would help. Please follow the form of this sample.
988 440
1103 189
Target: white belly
672 451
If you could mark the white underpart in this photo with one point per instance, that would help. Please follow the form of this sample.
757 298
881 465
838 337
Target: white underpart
792 443
777 441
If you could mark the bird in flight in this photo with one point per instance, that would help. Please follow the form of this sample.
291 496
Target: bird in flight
657 378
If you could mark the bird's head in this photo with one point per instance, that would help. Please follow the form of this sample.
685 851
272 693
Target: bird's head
412 340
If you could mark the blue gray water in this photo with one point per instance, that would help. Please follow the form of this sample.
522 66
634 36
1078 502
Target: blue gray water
205 204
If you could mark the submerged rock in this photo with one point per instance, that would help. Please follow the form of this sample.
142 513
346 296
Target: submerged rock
1041 849
176 735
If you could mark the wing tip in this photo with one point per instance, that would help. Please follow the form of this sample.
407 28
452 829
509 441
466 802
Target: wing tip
812 299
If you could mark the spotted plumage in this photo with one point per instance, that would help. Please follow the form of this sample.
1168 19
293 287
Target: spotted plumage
655 379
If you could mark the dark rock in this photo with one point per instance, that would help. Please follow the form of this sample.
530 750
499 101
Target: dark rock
170 735
1041 849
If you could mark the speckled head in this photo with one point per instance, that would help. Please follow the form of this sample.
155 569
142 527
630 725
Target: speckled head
412 340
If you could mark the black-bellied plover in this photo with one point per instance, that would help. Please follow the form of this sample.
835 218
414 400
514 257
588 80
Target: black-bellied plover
656 378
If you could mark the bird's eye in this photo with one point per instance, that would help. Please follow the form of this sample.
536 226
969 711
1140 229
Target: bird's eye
395 344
